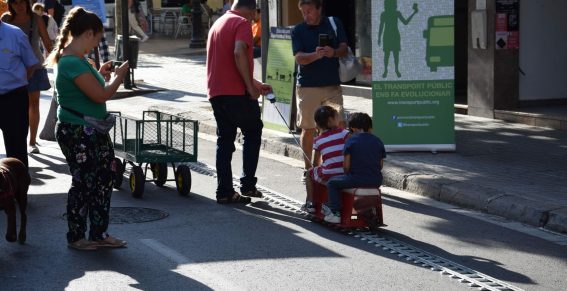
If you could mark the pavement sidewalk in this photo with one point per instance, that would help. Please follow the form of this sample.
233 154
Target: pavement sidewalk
515 171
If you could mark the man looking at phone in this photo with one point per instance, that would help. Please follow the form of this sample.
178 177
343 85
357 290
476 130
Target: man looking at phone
317 50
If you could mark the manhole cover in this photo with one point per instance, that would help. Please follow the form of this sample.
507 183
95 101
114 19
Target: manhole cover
125 215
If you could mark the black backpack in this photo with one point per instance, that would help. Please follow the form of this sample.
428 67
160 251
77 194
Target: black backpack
58 13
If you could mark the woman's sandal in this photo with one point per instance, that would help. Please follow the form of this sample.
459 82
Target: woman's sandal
234 199
111 242
84 245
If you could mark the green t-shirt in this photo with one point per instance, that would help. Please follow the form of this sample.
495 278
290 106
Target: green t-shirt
70 96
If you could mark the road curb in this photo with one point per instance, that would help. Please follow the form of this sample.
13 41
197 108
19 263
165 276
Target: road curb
404 176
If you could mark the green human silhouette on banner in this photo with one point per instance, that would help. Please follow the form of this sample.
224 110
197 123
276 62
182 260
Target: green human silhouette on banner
391 34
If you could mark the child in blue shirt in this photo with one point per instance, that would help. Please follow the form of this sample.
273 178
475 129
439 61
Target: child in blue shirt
364 155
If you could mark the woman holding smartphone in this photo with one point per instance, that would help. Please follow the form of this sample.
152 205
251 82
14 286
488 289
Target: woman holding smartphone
82 93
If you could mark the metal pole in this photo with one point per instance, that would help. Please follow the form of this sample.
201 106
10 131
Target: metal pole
126 41
197 39
265 18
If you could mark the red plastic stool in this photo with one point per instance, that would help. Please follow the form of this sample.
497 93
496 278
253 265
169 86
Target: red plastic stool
319 197
361 207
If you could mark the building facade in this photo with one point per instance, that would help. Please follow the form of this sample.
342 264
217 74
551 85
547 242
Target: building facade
509 54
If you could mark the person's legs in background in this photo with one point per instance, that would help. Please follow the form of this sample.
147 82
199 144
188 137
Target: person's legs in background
37 83
33 112
135 26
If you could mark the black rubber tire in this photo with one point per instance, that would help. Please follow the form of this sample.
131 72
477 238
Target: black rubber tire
159 172
137 181
183 180
119 174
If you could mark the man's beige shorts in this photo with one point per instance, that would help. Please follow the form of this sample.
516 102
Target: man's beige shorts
311 98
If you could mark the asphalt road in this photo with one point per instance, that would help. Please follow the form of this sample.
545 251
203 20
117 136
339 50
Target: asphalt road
201 245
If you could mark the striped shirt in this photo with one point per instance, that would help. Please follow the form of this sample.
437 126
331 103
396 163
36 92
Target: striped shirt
331 144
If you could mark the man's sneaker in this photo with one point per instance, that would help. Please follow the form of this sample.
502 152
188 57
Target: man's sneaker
325 210
333 217
145 38
308 207
304 177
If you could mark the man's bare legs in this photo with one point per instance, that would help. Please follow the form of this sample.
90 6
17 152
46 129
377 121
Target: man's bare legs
306 138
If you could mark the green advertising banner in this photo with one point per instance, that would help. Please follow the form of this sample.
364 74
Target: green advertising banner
413 74
280 74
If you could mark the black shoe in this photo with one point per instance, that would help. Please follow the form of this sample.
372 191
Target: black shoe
252 193
234 199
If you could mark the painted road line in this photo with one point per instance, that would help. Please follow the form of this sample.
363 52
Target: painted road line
190 268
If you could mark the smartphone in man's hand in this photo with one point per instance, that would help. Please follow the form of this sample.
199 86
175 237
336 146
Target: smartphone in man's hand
324 40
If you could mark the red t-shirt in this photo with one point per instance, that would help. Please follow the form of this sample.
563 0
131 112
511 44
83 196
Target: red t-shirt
223 77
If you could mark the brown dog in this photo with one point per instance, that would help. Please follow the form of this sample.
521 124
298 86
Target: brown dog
14 184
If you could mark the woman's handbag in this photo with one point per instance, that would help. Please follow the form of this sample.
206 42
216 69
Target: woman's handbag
101 125
350 67
48 131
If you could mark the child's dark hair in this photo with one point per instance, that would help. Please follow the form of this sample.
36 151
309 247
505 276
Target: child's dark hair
76 23
322 116
360 120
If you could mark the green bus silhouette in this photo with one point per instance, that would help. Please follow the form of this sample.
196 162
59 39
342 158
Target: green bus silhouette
440 37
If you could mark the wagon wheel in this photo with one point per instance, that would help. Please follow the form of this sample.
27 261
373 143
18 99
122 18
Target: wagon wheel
137 180
159 172
118 173
183 180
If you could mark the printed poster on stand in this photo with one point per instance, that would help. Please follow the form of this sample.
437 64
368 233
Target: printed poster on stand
413 74
280 73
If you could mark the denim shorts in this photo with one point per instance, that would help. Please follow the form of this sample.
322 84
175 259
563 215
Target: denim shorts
39 80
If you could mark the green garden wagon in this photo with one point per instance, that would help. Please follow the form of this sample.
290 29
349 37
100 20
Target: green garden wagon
158 139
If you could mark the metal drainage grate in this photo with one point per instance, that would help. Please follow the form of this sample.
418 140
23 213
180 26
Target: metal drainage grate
419 257
127 215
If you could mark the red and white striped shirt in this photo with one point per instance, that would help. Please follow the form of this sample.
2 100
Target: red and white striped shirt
331 144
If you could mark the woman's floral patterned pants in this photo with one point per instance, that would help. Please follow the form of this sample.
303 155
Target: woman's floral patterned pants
90 157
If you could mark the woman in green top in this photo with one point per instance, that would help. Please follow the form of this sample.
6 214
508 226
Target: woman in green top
81 91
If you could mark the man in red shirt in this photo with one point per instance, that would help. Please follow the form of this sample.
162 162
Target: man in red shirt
233 94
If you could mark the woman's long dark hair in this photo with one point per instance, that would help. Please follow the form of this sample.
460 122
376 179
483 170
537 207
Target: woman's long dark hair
13 13
76 23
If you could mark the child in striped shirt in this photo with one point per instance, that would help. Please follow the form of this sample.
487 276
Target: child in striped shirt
328 148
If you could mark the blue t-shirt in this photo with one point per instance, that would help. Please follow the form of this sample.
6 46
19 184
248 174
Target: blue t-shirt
366 151
305 38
